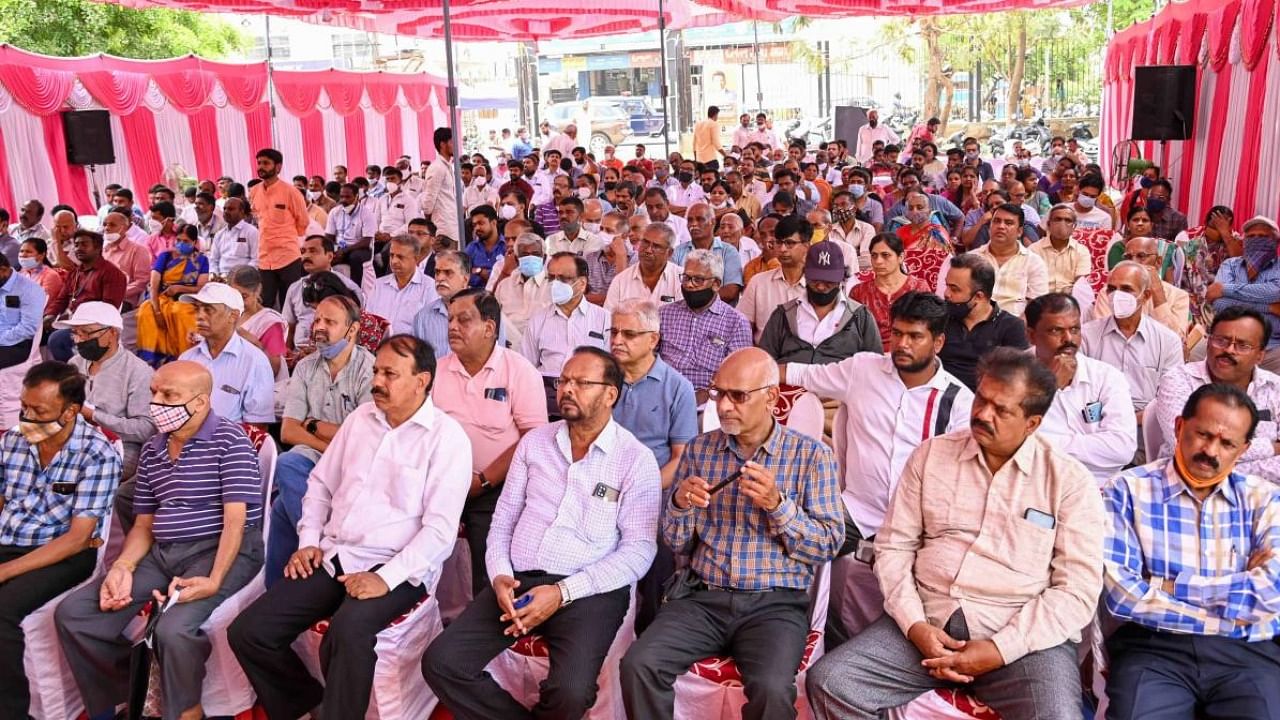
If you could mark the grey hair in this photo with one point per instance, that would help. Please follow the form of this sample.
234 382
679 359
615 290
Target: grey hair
413 242
709 260
826 216
668 234
245 276
462 259
527 238
1143 275
645 311
1063 206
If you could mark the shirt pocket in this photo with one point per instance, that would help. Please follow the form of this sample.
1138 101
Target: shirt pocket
1030 548
404 489
599 520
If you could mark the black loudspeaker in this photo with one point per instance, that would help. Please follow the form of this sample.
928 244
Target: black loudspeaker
88 136
1164 102
849 119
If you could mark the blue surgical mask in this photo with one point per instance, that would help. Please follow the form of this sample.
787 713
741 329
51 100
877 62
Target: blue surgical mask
561 292
530 265
184 248
1155 205
329 351
857 191
28 263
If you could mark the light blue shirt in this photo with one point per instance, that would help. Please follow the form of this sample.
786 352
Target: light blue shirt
19 323
1258 294
659 409
431 325
243 385
728 253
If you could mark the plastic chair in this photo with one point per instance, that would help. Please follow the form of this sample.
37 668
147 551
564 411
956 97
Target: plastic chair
521 669
712 688
54 695
1153 434
11 383
807 416
788 395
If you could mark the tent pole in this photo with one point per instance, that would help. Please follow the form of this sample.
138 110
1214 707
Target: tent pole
755 31
271 86
666 97
455 126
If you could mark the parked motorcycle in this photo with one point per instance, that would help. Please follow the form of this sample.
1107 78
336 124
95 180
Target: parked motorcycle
1081 131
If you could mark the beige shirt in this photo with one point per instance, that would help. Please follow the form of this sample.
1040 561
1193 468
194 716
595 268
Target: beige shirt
957 537
1021 279
1174 313
764 294
521 298
706 141
1065 265
629 285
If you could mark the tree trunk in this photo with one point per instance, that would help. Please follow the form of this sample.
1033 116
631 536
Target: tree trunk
934 80
948 94
1019 66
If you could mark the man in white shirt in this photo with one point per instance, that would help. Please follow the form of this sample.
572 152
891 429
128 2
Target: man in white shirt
657 207
398 297
894 402
871 132
236 243
653 277
379 518
439 193
523 289
563 142
350 227
572 237
481 190
1092 417
744 133
574 529
1088 215
568 323
394 209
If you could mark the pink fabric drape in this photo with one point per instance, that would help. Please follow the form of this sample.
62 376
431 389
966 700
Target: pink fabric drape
313 144
245 89
1251 148
383 91
187 90
143 147
297 92
394 132
357 147
426 149
75 194
205 141
257 124
118 91
6 188
40 90
1256 17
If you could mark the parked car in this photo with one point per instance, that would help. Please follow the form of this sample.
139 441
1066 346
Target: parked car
645 120
609 124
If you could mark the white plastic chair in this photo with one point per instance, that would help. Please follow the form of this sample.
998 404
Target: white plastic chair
1152 434
712 688
807 416
54 695
11 383
521 669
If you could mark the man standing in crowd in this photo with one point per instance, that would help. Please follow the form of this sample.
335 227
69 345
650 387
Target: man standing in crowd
1092 417
197 539
317 257
497 397
24 301
326 387
701 330
975 324
573 530
282 218
399 296
236 243
753 549
366 558
568 323
990 557
59 474
707 150
894 402
871 132
243 384
1200 616
1066 259
439 192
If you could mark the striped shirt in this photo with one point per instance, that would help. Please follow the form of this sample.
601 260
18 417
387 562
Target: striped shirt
1158 530
33 513
733 543
217 465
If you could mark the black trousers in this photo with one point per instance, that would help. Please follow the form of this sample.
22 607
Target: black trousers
578 636
262 635
275 283
649 589
477 516
764 633
355 260
19 598
1165 676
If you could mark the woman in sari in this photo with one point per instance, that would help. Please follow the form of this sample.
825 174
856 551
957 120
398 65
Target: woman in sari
261 326
165 325
886 281
926 241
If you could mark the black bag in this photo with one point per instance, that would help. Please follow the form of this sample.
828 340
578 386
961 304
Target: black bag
140 663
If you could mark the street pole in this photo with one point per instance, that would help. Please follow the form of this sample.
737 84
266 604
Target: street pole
271 87
755 32
455 126
666 97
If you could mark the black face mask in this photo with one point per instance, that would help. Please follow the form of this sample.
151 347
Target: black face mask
822 298
684 177
90 350
698 299
958 311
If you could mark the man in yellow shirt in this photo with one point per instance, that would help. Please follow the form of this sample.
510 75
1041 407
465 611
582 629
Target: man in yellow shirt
706 140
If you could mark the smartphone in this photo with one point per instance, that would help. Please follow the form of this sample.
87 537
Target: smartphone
522 601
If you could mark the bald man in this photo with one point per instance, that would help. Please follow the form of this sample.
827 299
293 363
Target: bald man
1167 304
197 537
757 509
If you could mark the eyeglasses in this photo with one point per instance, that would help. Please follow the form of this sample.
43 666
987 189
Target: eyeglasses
566 279
788 243
647 245
567 383
737 397
1226 343
1140 257
80 335
628 334
688 279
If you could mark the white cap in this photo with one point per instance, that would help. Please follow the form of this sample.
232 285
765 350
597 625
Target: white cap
1261 220
216 293
92 313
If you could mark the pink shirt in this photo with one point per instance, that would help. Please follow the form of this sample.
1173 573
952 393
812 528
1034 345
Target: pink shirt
135 262
158 243
493 407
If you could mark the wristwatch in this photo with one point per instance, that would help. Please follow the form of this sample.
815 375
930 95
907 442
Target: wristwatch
565 600
484 482
311 425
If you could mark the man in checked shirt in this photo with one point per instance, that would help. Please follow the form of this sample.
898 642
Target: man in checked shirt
1189 565
753 544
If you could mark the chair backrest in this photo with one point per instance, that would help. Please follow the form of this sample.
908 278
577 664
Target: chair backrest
267 455
1152 435
837 438
807 415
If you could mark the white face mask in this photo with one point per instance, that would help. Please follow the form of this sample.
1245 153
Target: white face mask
110 238
507 212
481 181
154 226
591 227
584 193
1123 304
1086 201
392 187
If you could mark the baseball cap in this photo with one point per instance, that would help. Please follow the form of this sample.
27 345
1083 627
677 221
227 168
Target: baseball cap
215 293
92 313
824 262
1261 220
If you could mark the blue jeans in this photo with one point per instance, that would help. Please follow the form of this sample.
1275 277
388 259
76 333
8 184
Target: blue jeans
292 470
61 347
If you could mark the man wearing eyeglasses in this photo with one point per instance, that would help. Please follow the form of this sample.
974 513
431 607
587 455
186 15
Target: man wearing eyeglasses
1236 346
1169 305
701 330
573 530
496 395
771 289
568 323
654 277
753 545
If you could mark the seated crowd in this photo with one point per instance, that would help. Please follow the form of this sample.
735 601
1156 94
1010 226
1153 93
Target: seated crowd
1049 417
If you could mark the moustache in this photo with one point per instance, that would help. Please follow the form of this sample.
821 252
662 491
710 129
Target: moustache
1205 460
1227 357
982 425
1067 346
379 392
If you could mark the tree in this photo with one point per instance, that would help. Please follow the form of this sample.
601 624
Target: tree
82 27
